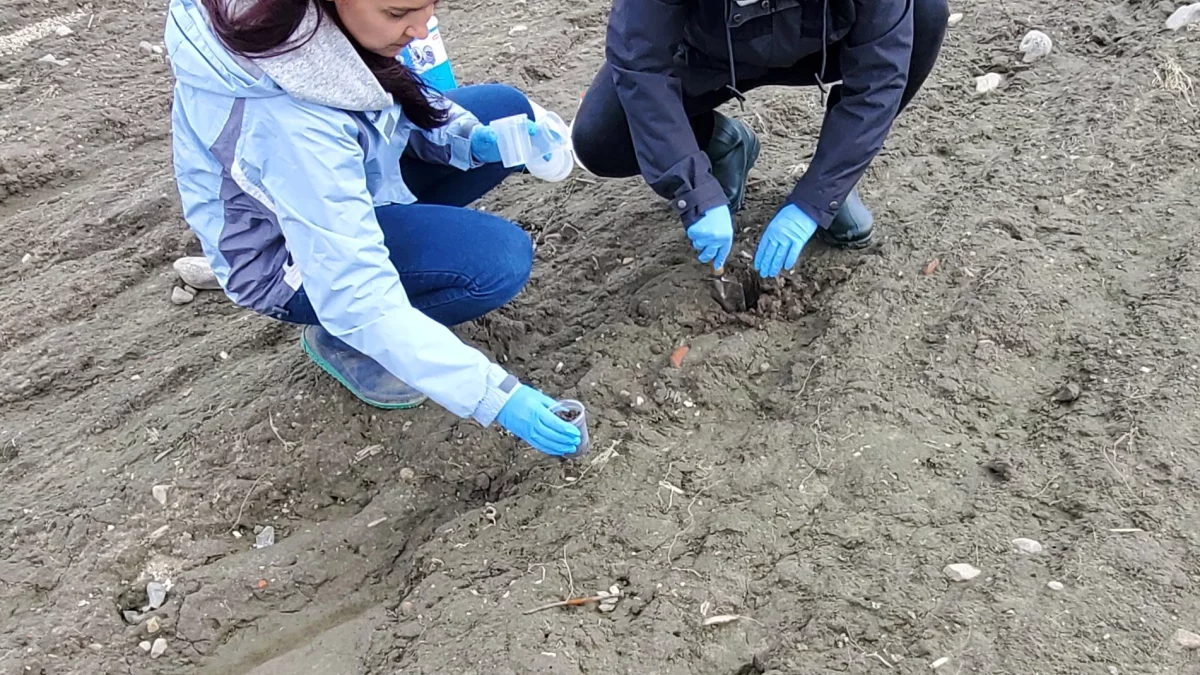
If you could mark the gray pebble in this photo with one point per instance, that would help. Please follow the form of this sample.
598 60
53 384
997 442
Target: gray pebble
1035 45
1028 546
197 273
180 296
158 648
961 572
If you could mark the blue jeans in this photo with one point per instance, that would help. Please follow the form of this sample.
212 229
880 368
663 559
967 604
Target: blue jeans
455 263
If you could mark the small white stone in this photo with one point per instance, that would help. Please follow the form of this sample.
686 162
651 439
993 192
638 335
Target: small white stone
160 493
558 368
939 663
1028 546
63 31
157 50
27 258
954 19
1184 16
181 297
197 273
1055 585
1035 45
961 572
152 625
146 47
1187 639
989 82
145 645
158 648
407 474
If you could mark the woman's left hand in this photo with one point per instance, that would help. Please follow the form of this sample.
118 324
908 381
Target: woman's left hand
485 146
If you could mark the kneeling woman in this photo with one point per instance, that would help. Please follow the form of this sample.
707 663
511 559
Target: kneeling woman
327 186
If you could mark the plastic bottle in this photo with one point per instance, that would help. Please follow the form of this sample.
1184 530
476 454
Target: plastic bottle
428 59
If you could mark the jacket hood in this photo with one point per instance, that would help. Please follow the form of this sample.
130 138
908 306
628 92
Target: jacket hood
325 70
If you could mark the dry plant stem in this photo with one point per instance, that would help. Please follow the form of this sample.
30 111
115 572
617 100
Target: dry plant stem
691 522
287 445
570 602
238 521
570 579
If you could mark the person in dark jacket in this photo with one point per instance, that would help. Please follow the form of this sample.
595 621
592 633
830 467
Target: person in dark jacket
670 63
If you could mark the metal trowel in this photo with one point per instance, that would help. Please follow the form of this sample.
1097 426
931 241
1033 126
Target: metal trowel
729 293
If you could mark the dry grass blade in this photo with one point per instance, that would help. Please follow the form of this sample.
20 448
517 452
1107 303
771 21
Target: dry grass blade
1171 77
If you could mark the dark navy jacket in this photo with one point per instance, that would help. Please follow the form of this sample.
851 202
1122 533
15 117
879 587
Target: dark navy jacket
660 50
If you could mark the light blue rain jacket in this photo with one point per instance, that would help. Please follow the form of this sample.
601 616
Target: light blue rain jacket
280 163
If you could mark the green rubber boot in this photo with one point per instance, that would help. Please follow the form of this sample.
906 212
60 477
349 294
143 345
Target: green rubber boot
359 373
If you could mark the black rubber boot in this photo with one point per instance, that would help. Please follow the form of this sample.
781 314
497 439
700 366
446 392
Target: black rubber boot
851 226
733 151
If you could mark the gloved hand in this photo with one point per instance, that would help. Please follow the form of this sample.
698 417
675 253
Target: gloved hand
527 415
781 244
712 235
485 146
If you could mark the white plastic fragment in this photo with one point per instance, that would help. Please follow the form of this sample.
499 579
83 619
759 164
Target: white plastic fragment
156 594
160 494
989 82
1035 45
939 663
721 619
265 538
50 58
1187 639
954 19
63 31
1055 585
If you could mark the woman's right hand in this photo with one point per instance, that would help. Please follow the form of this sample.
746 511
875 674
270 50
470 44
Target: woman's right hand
527 415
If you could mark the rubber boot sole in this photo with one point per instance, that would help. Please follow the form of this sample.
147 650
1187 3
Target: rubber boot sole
325 366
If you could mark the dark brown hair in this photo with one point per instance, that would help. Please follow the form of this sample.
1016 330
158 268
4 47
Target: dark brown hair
264 27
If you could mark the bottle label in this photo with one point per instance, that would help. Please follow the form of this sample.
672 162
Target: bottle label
423 55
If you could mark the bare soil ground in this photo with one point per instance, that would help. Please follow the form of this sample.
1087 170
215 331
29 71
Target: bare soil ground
812 472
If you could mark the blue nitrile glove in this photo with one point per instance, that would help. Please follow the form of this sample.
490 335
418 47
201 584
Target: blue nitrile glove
781 244
527 415
485 147
712 235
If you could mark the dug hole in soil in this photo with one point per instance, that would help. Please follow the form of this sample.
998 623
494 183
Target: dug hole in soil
1016 357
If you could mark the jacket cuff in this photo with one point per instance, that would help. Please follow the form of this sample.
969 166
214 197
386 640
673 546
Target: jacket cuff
460 148
691 205
821 208
500 388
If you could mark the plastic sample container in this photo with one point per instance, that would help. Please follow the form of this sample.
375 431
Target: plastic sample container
580 421
513 140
